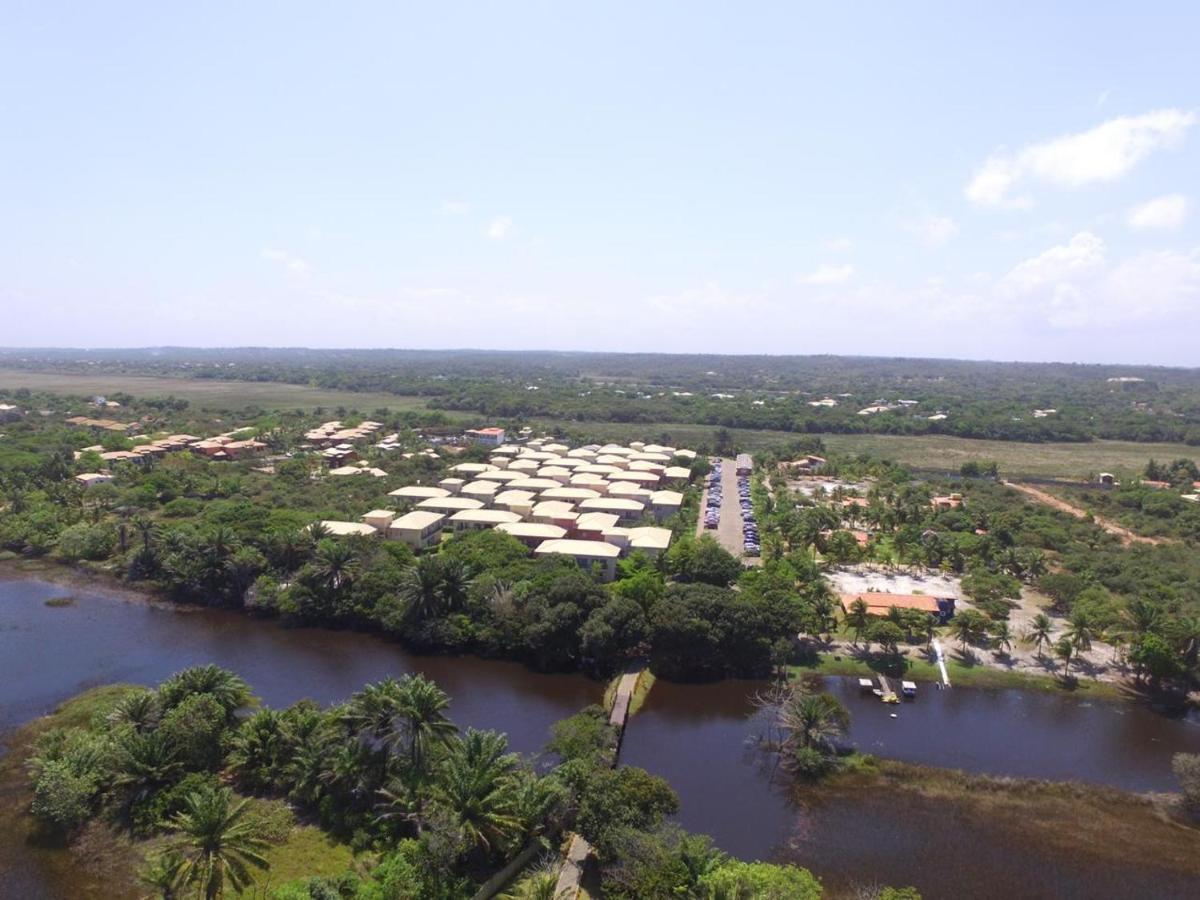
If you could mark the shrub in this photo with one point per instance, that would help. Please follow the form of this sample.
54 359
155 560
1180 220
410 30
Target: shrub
62 796
92 542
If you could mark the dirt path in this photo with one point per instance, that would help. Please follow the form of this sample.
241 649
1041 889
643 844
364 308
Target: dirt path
1127 537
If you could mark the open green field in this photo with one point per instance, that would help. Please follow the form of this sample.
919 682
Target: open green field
938 452
209 394
1052 460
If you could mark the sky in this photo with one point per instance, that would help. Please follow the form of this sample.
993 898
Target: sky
1019 182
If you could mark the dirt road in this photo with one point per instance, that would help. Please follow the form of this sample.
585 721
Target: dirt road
1127 537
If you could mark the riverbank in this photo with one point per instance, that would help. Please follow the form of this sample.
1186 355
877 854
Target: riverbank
963 675
1102 825
103 860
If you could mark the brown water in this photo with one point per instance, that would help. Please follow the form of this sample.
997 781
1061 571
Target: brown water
698 738
695 736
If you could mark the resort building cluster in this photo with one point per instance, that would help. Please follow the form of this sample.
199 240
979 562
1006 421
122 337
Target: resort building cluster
593 503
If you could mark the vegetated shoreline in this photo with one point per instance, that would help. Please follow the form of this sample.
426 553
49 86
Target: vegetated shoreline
1097 822
981 677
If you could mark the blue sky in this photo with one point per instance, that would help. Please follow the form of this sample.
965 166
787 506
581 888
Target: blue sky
919 179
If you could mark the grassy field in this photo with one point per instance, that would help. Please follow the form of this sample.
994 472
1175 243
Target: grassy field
207 394
1062 460
939 452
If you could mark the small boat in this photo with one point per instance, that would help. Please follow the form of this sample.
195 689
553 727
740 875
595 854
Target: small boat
866 685
908 688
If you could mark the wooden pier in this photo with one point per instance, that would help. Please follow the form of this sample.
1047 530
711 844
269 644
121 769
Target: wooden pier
886 694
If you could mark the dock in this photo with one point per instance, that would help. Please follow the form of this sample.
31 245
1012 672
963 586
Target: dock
941 662
886 694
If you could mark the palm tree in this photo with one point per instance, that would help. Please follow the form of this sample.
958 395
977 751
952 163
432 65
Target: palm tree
1002 637
1080 631
456 582
421 589
218 845
145 763
226 687
476 784
811 721
163 873
858 617
260 750
1140 617
139 710
1039 633
423 709
336 565
539 884
1065 650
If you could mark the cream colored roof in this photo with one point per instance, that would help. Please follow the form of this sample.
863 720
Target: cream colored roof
523 465
598 469
686 454
641 465
470 468
486 488
590 549
417 520
585 478
642 478
616 449
500 475
419 492
556 448
450 503
676 472
489 516
543 530
534 484
569 493
651 457
627 489
658 448
344 529
650 538
378 514
538 455
514 497
596 521
611 504
666 498
553 472
581 453
553 508
611 459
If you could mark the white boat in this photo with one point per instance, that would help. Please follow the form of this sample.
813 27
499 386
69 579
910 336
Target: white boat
908 688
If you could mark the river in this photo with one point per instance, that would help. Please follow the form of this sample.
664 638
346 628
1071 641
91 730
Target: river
693 735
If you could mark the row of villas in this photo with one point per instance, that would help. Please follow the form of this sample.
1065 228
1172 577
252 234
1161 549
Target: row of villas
589 503
221 447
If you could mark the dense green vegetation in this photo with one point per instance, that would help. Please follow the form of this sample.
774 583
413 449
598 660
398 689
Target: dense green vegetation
197 778
978 400
1143 599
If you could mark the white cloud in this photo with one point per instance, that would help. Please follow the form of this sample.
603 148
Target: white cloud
1074 285
294 265
1105 153
1167 212
500 228
838 245
828 275
935 231
455 208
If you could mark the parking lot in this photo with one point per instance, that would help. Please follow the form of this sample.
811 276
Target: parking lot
729 531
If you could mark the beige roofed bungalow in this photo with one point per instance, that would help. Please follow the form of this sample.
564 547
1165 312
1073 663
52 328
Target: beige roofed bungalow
475 519
611 459
630 490
531 534
582 453
345 529
649 539
469 468
599 469
419 529
523 465
418 492
642 478
534 484
596 521
449 504
585 553
641 465
677 473
500 475
570 494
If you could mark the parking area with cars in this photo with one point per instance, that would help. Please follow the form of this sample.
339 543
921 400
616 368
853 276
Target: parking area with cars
727 513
